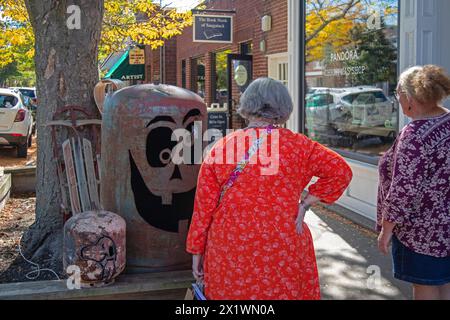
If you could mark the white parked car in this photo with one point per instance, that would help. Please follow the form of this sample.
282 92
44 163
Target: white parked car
29 92
16 122
364 107
369 107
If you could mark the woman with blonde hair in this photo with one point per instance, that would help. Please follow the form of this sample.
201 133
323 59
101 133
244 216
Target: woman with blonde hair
247 234
414 190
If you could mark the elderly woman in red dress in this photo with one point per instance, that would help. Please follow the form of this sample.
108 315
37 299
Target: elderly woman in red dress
247 234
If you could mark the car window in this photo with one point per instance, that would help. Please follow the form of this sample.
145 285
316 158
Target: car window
25 100
364 98
28 93
7 101
380 97
319 100
349 98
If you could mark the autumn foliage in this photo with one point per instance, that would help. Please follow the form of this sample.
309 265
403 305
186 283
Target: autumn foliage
329 23
125 22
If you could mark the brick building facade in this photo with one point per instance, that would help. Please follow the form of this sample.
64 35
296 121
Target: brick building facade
177 62
153 67
268 48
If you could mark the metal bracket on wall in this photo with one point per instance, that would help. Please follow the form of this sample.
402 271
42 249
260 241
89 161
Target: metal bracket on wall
195 11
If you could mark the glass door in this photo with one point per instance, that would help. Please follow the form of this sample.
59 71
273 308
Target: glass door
240 74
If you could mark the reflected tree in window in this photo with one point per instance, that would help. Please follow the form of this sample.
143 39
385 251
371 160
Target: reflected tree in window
377 53
328 23
351 73
221 83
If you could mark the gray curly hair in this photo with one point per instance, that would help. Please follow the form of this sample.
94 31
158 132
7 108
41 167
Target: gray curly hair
266 98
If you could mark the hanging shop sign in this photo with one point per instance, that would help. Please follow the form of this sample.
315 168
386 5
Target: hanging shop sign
213 29
125 71
137 56
241 75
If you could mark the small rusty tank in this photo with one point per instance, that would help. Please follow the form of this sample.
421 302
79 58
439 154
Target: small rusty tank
141 182
94 241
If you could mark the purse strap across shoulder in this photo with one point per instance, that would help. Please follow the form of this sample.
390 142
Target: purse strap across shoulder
245 161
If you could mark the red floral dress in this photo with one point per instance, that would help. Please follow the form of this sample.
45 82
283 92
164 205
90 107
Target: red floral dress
249 241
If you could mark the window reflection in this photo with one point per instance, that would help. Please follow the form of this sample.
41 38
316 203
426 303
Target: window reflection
198 76
351 74
221 83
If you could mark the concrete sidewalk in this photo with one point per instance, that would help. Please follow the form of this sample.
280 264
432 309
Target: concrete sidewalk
350 265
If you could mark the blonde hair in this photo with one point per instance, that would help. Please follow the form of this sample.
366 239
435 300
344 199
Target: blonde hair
427 84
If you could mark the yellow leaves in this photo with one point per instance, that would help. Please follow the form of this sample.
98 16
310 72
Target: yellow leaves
139 22
16 35
329 25
125 22
391 11
16 39
30 53
6 59
112 6
144 6
15 10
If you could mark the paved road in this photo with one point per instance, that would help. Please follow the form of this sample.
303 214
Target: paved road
350 265
9 159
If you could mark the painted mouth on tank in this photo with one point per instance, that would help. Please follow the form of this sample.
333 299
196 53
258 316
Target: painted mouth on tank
151 208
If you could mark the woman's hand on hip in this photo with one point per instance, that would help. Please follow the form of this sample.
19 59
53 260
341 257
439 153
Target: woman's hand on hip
300 218
385 236
303 208
384 239
197 267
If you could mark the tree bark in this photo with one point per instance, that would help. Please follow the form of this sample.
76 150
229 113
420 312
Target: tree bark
66 73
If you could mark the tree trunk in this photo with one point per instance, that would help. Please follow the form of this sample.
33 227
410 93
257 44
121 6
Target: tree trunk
66 73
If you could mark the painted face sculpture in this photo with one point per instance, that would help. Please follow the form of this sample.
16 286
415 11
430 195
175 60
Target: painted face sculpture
140 180
164 192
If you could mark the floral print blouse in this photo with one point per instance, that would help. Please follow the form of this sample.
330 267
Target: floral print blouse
414 190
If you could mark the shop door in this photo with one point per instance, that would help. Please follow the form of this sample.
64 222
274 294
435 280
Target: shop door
240 73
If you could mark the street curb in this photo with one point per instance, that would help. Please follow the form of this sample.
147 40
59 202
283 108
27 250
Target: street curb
352 216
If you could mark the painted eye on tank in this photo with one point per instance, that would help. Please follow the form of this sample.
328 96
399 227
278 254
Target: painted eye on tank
165 156
159 147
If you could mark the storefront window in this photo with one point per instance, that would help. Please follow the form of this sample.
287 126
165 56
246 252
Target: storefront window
351 74
246 48
183 73
198 76
221 84
283 72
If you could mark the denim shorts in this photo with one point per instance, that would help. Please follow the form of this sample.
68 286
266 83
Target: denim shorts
417 268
